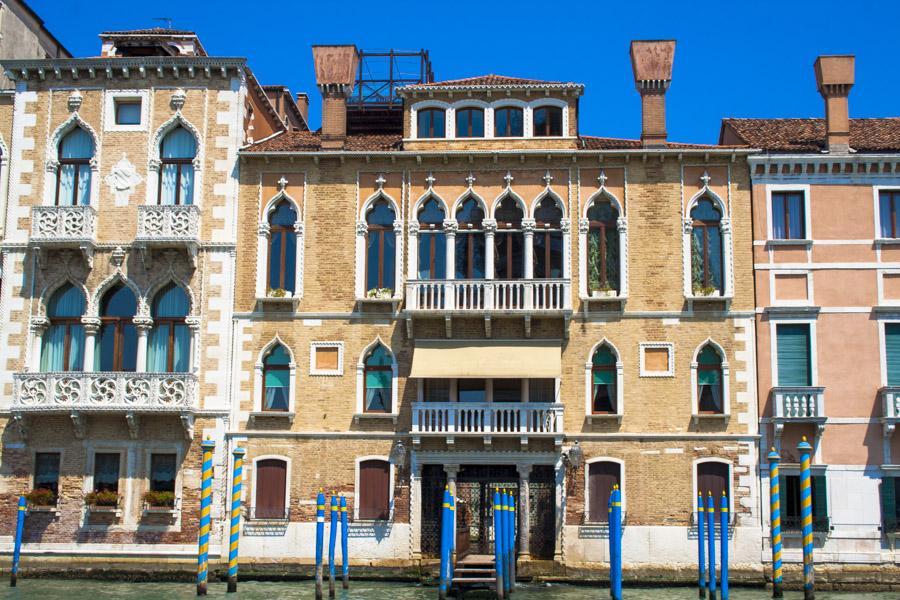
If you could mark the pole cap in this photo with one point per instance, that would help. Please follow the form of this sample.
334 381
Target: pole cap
803 445
773 454
208 444
239 452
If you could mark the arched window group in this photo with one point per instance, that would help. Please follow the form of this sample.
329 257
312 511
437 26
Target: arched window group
473 122
706 248
73 184
381 246
176 174
603 247
432 241
63 342
282 269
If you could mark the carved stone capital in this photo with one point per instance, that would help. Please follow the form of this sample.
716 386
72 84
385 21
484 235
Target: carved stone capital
192 322
584 226
91 325
725 226
51 166
75 100
154 165
414 228
38 324
298 228
398 227
451 226
263 228
362 228
688 226
621 225
565 225
528 226
142 324
490 226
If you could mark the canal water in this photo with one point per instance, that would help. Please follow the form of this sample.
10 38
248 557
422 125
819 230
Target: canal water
53 589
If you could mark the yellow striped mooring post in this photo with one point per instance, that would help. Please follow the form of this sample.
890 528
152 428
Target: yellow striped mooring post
17 548
809 587
332 541
235 535
320 540
206 448
775 517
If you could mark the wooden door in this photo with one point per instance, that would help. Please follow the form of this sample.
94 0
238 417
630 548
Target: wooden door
602 476
374 493
271 478
713 477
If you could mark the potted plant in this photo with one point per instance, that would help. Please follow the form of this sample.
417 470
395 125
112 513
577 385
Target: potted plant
380 293
277 293
102 499
159 500
41 498
706 290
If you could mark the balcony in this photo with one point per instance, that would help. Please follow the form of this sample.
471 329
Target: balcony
62 227
890 402
82 394
168 226
485 420
798 405
487 297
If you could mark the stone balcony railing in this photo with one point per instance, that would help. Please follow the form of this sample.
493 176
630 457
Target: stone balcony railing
489 295
803 404
64 227
175 226
130 394
486 419
890 403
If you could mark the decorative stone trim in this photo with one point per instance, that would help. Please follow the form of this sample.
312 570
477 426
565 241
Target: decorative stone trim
670 347
314 346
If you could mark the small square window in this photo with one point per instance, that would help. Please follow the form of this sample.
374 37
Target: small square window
326 358
657 359
128 111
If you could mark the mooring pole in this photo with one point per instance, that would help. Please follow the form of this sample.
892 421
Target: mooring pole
711 536
504 520
451 542
723 544
320 540
498 543
345 556
332 540
445 544
775 504
809 584
701 544
236 481
207 448
511 541
615 543
17 549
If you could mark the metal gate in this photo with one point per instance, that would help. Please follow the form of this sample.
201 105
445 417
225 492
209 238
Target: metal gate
433 481
475 487
542 513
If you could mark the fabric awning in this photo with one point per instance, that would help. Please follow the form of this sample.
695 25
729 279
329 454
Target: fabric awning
475 359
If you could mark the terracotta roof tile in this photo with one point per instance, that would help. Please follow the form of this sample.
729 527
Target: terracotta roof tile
589 142
150 31
808 135
491 79
310 141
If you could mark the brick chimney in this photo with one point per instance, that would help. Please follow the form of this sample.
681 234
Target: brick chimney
303 105
834 78
651 61
335 74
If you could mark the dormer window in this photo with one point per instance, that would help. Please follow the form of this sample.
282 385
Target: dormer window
509 121
469 122
431 123
547 121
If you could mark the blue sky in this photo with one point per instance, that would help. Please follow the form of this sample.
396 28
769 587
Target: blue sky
739 59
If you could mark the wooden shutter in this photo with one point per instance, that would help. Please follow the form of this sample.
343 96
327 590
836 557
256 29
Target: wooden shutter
892 352
601 478
271 478
374 492
819 498
794 368
888 492
713 477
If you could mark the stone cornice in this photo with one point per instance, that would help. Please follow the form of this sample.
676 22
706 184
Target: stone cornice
92 68
429 89
797 167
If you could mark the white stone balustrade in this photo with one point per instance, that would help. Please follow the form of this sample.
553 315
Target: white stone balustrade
485 419
169 223
489 295
799 403
63 224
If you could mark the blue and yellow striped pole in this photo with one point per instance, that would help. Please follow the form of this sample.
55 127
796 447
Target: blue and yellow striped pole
701 544
498 543
504 524
17 549
711 536
615 543
236 482
332 541
511 539
320 540
207 448
345 556
809 584
775 504
445 544
723 542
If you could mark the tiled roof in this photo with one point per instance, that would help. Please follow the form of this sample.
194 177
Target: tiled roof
490 79
808 135
589 142
310 141
150 31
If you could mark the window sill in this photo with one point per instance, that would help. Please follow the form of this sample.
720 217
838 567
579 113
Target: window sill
279 301
603 417
887 241
391 300
54 510
105 510
272 414
799 242
697 417
161 510
375 417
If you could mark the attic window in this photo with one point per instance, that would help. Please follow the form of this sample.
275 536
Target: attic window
548 121
128 111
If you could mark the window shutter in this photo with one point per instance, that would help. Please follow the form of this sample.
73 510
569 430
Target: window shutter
794 367
892 352
819 497
888 503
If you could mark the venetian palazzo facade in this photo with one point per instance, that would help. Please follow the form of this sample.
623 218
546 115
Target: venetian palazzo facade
489 298
118 287
827 265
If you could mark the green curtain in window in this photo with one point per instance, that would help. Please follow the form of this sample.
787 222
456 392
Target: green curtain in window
892 352
604 377
888 495
794 365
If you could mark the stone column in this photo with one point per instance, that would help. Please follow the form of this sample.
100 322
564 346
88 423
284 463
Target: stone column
490 230
450 228
91 326
193 363
524 509
415 509
452 471
560 516
142 325
38 325
528 226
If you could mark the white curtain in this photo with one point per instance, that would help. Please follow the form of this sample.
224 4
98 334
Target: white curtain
178 144
77 144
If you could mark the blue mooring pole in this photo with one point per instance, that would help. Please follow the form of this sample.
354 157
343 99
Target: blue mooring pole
332 541
723 526
498 543
235 535
445 544
775 517
504 503
615 543
345 556
207 448
711 536
511 540
809 584
320 541
20 526
701 544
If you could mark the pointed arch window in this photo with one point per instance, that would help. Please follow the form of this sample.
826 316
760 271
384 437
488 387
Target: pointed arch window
62 346
509 241
117 350
706 248
169 348
709 381
378 380
470 257
277 379
73 185
548 240
176 175
283 247
603 247
381 246
432 241
603 381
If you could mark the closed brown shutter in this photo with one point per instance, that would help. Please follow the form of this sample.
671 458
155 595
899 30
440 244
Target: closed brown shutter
713 477
374 492
602 476
271 477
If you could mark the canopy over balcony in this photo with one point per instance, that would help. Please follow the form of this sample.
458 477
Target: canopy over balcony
475 359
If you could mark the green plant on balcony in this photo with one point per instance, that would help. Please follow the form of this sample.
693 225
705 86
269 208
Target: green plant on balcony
41 497
158 499
276 293
380 293
102 498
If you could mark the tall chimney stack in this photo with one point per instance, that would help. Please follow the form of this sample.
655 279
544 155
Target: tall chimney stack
303 105
651 61
335 75
834 78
